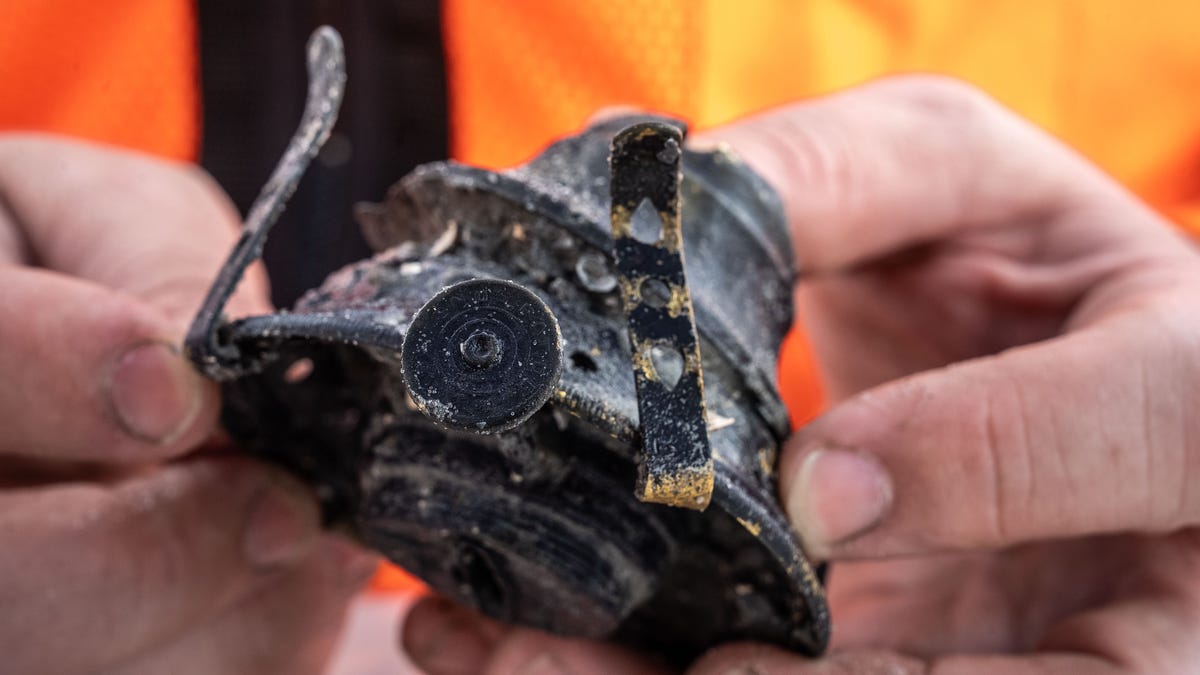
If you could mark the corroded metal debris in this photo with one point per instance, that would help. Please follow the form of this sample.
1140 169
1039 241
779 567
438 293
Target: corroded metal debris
677 465
474 403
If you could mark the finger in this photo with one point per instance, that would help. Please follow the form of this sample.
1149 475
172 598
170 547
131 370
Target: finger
903 161
90 374
289 625
1150 624
116 570
444 639
1004 441
154 229
763 660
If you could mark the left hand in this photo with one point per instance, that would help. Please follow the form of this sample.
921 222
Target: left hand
131 542
1007 477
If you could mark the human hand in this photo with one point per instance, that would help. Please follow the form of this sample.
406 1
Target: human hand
120 554
1006 479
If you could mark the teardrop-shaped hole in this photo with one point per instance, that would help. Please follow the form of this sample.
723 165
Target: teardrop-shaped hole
667 362
645 224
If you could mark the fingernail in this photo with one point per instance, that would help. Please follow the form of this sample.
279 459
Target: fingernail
837 495
544 664
444 639
283 525
154 393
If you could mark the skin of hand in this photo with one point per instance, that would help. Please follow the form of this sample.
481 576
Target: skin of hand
1007 477
126 550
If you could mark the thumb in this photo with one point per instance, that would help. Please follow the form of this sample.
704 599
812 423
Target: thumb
90 374
1068 437
899 162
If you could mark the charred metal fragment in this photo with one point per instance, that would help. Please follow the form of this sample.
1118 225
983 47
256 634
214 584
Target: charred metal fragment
676 466
465 401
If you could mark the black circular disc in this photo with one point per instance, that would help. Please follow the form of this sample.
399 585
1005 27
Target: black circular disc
482 355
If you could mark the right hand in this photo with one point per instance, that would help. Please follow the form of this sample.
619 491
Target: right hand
1006 480
124 551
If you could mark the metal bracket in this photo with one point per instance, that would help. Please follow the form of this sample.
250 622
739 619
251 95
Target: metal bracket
677 465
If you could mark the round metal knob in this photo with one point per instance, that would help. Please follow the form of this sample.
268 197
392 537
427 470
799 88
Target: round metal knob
482 355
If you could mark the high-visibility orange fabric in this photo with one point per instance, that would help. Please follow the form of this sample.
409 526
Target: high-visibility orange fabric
118 72
1118 81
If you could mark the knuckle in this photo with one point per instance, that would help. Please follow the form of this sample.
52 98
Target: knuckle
816 160
1170 378
812 155
1002 423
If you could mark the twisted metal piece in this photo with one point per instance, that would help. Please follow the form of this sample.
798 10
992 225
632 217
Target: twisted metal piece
220 359
482 356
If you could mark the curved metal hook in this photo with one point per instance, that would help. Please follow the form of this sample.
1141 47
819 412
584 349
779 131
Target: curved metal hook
326 83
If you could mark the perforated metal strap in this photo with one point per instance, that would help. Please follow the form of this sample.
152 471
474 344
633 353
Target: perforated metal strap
677 466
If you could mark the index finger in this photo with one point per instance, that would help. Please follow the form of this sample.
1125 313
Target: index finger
903 161
89 370
152 229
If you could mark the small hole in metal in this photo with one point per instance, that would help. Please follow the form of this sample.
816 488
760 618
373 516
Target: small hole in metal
581 361
298 371
481 349
667 362
655 292
645 224
478 577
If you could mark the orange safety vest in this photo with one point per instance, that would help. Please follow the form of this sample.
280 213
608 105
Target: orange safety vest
118 72
1119 83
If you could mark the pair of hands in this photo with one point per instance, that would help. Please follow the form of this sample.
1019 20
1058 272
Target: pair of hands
124 549
1008 479
1008 468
